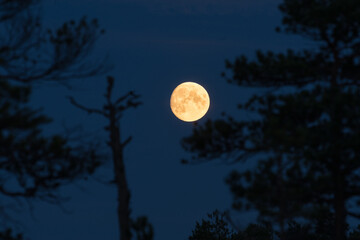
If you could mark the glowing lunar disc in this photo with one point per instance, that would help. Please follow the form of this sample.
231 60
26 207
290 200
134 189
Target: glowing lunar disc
189 101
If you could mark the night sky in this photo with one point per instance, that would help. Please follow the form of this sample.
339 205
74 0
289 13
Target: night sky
153 45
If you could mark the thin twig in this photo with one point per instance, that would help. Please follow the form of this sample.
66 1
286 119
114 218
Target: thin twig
88 110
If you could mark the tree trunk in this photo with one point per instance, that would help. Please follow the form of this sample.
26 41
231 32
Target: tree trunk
123 207
280 193
113 112
120 180
340 214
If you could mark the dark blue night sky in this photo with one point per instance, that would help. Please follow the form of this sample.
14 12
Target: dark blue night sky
153 45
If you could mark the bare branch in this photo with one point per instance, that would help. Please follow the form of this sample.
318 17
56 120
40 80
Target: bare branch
126 142
355 215
88 110
122 98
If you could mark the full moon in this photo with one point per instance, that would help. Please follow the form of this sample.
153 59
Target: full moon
189 101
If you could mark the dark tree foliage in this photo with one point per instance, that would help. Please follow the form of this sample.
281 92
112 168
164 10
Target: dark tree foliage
218 227
30 53
8 235
32 165
113 111
10 8
35 165
306 143
332 24
311 136
143 229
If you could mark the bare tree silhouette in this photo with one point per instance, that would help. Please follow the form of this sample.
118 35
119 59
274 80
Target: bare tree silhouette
113 111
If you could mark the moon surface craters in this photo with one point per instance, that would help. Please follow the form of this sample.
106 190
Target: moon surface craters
189 101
